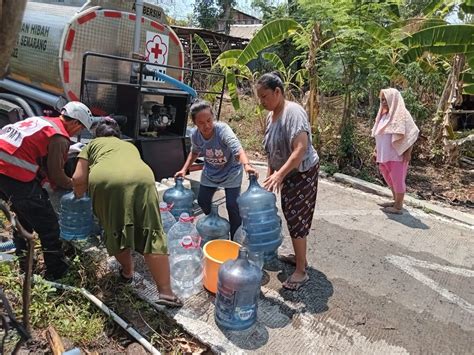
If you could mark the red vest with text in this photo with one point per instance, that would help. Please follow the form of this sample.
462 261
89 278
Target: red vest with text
24 143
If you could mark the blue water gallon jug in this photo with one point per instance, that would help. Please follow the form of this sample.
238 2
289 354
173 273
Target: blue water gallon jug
167 219
261 224
180 197
75 219
238 289
213 226
186 257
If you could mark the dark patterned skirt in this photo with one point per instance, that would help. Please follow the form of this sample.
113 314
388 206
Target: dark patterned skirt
298 200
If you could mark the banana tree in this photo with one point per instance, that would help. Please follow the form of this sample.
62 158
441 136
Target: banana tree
448 40
234 63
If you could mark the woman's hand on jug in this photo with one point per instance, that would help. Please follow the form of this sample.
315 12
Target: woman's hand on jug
180 173
249 169
273 182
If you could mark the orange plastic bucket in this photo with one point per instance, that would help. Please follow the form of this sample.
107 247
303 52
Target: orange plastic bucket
217 252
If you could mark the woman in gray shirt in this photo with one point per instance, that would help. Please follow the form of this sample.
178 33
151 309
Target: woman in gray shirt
224 158
293 167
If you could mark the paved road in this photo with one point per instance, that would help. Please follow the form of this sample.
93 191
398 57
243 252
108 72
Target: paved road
379 284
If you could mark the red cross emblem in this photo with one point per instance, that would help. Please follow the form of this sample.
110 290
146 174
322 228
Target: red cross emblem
25 124
156 50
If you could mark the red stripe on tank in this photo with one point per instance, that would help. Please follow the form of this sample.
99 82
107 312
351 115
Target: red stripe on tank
86 18
174 38
72 96
133 17
66 72
70 39
114 14
157 25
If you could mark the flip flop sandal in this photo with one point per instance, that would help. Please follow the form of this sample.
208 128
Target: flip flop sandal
174 302
289 259
392 210
123 279
386 204
295 285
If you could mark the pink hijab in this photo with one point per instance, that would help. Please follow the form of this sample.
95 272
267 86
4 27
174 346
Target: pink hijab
400 123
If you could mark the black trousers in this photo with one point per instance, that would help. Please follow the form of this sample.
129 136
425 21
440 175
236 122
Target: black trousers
31 204
206 193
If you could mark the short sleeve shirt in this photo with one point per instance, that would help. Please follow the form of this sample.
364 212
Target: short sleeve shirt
279 137
221 168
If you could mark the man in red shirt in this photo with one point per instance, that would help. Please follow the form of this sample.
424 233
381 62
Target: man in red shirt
32 152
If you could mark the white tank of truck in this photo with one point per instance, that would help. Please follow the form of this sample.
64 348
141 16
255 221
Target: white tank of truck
46 64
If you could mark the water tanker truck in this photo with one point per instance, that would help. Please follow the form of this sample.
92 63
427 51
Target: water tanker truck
120 58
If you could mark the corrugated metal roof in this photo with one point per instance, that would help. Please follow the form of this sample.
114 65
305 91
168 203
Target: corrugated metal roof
244 31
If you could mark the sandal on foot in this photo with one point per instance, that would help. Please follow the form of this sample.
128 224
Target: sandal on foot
123 279
169 302
289 259
386 204
392 210
291 285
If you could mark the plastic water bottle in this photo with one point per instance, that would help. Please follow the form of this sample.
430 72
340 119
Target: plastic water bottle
261 224
167 219
180 197
76 219
213 226
238 289
184 246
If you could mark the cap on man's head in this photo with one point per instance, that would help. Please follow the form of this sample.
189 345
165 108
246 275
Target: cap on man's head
78 111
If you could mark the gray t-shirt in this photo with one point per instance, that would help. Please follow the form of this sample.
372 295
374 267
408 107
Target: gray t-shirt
221 168
280 134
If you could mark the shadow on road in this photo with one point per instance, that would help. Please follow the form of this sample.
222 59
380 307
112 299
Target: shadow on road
273 312
314 294
407 219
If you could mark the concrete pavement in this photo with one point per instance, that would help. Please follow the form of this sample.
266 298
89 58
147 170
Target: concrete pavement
379 284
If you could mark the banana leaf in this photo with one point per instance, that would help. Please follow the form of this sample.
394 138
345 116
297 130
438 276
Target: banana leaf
468 89
270 34
468 6
232 87
228 58
438 36
275 60
202 44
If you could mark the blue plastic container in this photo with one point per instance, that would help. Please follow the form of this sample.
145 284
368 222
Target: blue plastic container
213 226
261 224
238 289
75 220
180 197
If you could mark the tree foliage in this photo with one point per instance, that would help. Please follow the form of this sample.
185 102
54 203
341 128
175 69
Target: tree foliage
206 13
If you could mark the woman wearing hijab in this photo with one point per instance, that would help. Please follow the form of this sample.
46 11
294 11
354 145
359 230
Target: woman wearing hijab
395 133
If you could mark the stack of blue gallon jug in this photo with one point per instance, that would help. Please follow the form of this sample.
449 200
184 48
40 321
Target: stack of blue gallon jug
261 225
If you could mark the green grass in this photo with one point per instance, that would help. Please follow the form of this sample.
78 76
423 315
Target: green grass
77 319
